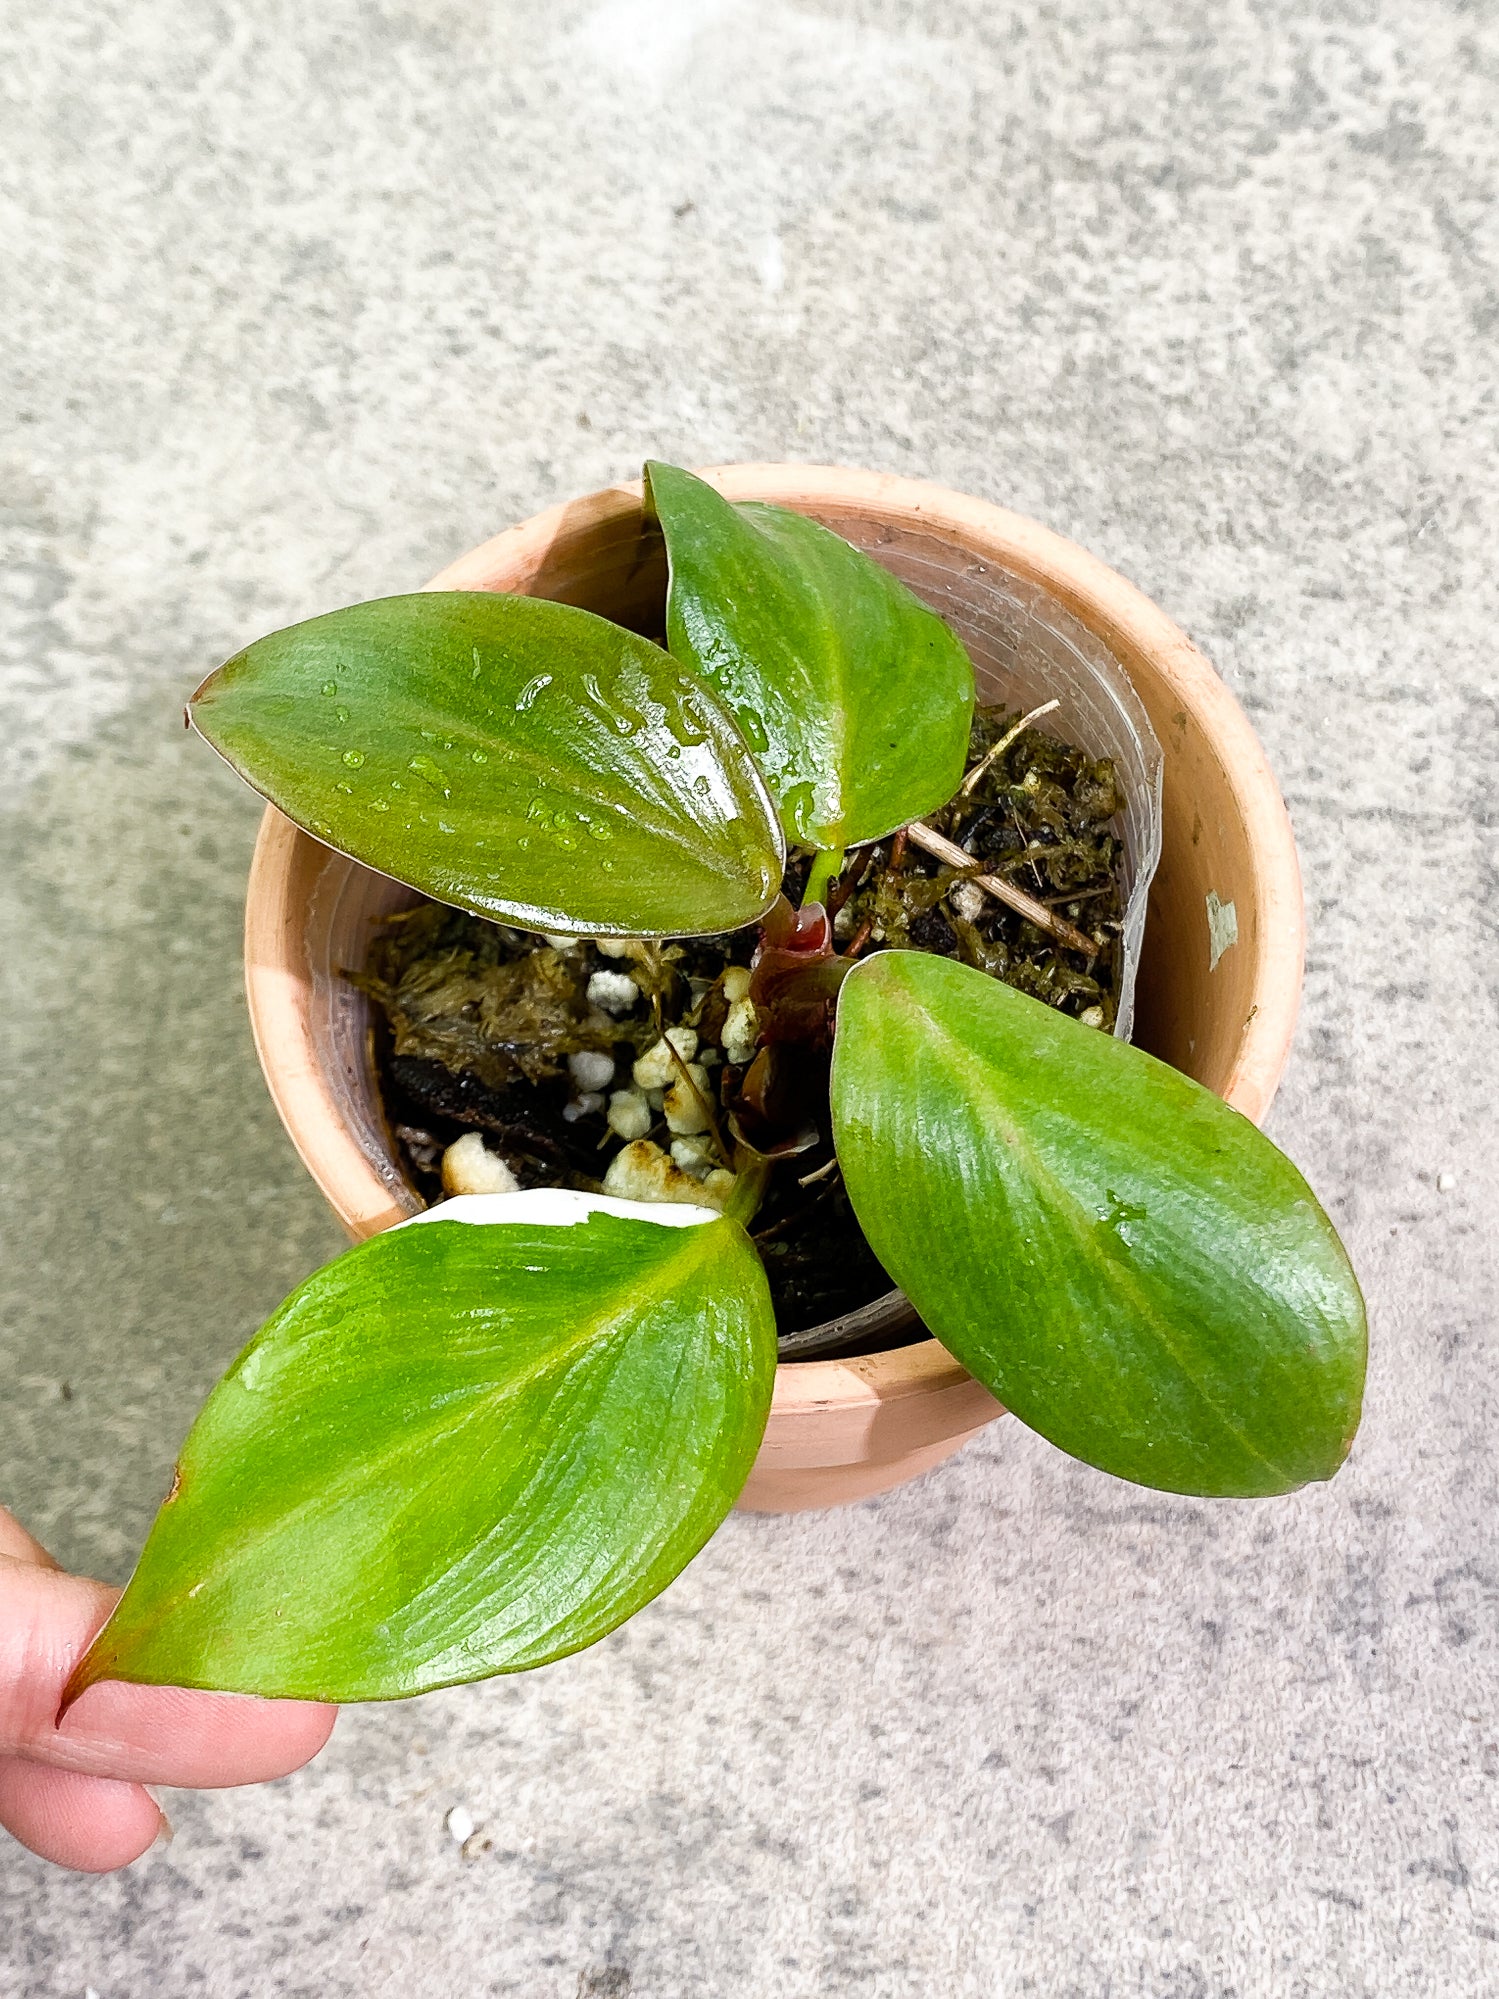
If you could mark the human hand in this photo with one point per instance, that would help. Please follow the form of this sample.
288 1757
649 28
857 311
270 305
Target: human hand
75 1793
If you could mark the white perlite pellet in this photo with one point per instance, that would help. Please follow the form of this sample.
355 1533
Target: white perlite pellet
696 1156
591 1070
642 1172
741 1031
655 1069
967 900
686 1102
630 1114
615 992
469 1167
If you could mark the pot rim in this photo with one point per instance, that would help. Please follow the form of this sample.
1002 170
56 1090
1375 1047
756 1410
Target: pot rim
1121 615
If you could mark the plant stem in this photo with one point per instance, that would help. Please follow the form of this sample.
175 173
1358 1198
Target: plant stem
750 1183
826 863
850 878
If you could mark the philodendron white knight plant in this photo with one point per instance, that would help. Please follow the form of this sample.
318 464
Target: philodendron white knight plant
484 1439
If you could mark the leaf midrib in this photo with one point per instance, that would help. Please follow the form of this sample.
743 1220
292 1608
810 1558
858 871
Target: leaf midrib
360 1475
1074 1213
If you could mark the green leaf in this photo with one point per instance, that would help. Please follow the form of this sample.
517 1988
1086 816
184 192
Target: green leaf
457 1450
1126 1262
855 697
519 758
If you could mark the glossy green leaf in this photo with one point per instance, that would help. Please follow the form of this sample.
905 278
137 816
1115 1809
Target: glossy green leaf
515 757
854 696
465 1447
1128 1264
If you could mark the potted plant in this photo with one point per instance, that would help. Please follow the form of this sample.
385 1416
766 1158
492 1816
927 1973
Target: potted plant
474 1445
1025 601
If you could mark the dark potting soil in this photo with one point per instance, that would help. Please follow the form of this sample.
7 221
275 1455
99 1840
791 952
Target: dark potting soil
476 1021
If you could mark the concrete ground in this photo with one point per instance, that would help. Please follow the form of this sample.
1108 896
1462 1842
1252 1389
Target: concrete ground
300 302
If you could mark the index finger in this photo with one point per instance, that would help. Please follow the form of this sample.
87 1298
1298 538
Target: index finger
21 1546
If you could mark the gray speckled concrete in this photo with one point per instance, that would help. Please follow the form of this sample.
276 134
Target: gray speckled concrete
300 301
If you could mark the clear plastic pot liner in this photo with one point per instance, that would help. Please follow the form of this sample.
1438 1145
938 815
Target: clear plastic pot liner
1028 648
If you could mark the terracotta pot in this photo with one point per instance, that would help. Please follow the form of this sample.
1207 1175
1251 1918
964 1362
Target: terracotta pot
839 1429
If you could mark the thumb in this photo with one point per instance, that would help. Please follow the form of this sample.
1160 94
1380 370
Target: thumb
75 1819
73 1792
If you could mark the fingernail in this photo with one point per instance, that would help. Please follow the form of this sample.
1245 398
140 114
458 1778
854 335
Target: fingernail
166 1832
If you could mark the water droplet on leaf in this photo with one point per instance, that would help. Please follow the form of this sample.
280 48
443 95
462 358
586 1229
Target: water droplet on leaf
798 806
430 773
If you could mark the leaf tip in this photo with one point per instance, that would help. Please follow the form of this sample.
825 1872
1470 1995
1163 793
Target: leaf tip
649 510
91 1668
200 700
